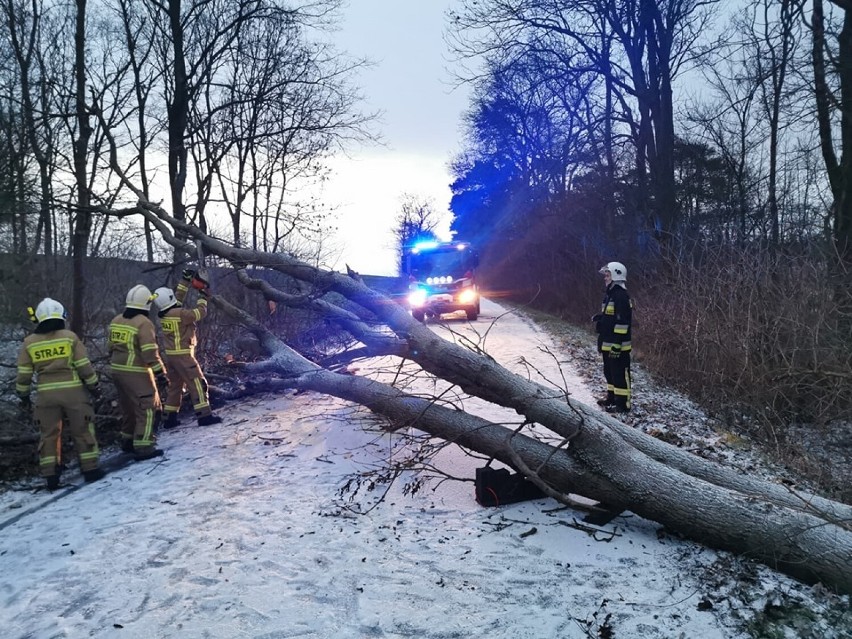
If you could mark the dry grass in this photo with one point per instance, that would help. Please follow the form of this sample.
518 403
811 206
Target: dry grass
761 339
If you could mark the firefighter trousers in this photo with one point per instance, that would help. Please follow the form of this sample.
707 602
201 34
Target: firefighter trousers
74 405
617 375
185 373
140 406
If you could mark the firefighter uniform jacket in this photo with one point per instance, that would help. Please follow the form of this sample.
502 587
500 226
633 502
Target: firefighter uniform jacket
134 356
133 346
614 320
58 359
179 324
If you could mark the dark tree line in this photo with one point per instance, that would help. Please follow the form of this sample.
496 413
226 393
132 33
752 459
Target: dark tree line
681 135
706 145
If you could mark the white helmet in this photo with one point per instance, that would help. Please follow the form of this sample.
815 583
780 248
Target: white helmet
617 271
139 297
49 309
164 298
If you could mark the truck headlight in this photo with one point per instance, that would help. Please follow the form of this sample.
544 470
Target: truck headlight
417 298
467 296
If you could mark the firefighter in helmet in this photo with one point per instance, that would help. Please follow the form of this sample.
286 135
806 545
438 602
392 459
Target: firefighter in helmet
135 362
613 327
58 360
179 326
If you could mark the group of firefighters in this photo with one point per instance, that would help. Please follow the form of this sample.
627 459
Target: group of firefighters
67 384
58 359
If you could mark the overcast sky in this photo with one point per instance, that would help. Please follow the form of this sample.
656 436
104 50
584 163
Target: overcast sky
410 83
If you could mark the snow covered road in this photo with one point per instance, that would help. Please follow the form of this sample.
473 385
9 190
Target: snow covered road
240 531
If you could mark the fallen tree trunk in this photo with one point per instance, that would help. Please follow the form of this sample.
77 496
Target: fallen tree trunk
600 458
782 530
19 440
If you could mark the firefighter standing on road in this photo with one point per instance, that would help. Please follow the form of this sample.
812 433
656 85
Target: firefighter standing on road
613 327
179 341
58 360
135 360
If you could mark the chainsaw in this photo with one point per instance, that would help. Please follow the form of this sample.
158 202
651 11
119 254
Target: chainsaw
200 279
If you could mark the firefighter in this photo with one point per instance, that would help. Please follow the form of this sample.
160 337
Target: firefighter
613 327
179 340
135 361
58 360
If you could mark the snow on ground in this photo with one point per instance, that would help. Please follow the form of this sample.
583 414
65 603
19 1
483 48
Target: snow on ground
241 531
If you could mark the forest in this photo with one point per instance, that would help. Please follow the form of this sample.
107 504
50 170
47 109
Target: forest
701 143
704 145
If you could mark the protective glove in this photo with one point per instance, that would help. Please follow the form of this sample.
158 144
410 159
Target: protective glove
187 274
26 402
615 351
596 319
96 392
204 292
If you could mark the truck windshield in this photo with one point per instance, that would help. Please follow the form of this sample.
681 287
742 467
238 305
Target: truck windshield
440 262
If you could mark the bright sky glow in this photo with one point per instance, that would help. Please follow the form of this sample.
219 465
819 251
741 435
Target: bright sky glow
366 194
411 85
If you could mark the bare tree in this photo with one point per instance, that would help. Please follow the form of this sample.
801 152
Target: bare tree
731 126
82 216
283 106
36 35
417 220
834 59
775 49
654 41
17 187
136 31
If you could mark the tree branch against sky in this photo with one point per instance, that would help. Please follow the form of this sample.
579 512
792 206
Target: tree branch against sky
654 43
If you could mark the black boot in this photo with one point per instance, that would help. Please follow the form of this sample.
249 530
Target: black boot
171 421
609 400
617 408
209 420
93 475
52 482
149 454
127 446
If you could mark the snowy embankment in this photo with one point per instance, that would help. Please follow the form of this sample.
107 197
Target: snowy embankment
240 531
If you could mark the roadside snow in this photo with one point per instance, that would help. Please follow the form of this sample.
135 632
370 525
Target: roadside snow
241 531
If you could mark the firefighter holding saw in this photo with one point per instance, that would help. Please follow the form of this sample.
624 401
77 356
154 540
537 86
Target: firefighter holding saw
58 361
179 327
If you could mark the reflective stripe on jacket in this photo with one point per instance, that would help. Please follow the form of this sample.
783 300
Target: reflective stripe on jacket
179 324
615 320
57 359
133 345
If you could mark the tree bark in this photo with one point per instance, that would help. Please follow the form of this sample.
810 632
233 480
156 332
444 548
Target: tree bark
83 216
178 114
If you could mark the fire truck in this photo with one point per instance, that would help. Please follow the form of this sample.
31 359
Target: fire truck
442 279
